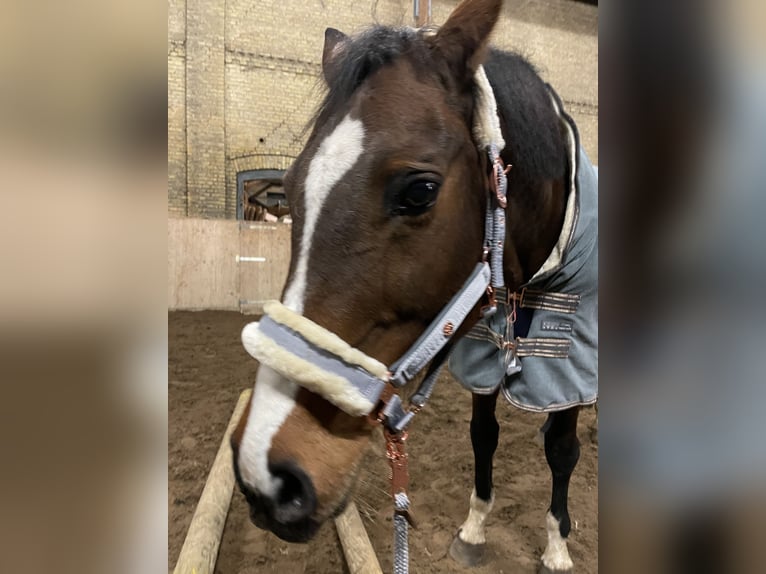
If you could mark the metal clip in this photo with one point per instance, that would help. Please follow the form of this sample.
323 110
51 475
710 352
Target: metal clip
394 416
512 314
491 307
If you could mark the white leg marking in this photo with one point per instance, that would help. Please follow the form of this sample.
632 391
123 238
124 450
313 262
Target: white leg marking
335 157
472 530
274 396
556 555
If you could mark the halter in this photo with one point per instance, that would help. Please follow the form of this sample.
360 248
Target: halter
320 361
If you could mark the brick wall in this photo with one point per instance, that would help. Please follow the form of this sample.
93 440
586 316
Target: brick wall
244 78
205 113
177 107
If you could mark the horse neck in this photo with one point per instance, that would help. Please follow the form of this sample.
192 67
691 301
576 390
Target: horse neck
536 147
534 216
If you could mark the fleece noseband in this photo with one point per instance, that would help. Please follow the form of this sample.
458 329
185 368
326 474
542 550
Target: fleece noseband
320 361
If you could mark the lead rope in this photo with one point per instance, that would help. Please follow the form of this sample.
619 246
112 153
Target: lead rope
401 543
397 457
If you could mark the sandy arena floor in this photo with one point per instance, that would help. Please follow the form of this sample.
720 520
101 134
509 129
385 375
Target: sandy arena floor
207 370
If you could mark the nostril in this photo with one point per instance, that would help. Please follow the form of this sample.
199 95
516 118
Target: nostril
291 491
295 500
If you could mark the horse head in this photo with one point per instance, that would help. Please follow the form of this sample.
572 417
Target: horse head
388 200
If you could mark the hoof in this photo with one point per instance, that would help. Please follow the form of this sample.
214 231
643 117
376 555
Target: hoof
466 554
545 570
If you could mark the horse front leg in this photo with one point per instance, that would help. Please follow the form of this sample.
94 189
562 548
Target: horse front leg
562 451
469 545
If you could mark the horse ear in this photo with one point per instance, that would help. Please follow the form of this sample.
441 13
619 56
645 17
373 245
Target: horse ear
464 37
333 44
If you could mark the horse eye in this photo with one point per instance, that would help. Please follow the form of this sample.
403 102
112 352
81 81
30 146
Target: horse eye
418 197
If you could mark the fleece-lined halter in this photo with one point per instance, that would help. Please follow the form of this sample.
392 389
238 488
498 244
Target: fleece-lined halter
317 359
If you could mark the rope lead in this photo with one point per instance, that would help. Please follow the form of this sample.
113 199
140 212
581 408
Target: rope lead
401 526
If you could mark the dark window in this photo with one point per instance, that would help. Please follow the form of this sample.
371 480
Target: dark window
260 196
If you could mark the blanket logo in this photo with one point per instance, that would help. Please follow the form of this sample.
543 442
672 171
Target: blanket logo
557 326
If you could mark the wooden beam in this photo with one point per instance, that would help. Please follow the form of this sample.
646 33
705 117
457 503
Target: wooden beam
360 556
200 549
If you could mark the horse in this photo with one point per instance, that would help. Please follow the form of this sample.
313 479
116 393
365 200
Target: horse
389 201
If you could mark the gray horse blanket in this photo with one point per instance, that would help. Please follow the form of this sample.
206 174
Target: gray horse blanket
542 344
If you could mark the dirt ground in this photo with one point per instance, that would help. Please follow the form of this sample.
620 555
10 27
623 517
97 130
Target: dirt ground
208 368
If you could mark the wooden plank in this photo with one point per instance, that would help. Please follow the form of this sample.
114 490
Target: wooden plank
200 549
203 272
264 262
226 264
357 549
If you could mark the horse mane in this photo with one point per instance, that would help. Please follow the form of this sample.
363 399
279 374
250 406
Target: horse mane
530 124
533 136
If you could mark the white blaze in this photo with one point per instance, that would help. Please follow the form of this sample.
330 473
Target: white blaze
273 396
335 157
273 399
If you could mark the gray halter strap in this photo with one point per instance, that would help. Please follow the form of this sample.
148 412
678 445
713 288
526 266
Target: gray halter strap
430 348
442 327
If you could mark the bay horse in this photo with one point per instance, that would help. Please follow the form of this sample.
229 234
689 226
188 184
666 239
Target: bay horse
389 206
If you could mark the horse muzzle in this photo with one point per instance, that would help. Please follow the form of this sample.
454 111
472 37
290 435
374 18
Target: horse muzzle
289 512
